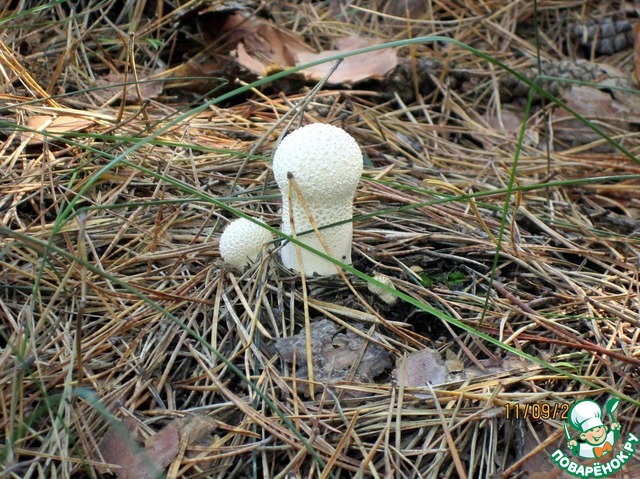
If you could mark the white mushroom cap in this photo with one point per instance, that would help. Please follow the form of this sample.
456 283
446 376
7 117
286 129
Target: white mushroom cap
326 163
241 243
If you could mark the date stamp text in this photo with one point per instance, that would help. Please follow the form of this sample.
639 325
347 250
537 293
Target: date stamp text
536 410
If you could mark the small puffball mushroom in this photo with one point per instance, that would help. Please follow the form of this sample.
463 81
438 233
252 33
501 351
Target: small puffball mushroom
383 294
326 164
241 243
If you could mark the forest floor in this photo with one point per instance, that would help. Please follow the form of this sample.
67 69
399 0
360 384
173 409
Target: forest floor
499 204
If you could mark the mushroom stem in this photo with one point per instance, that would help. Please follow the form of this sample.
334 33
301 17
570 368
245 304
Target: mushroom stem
335 241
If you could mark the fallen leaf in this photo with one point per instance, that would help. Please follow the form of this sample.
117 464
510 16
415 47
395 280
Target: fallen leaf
164 446
148 88
196 427
121 448
372 65
421 368
453 364
593 104
261 46
334 353
427 366
250 63
53 124
609 101
508 123
501 366
202 76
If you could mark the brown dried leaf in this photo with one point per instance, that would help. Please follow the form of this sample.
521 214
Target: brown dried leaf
502 366
420 368
426 366
53 124
200 76
333 354
250 63
593 104
148 88
509 123
452 362
196 427
119 446
261 46
164 446
353 69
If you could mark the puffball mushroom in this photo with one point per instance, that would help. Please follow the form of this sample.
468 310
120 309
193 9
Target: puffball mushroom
326 164
383 294
241 243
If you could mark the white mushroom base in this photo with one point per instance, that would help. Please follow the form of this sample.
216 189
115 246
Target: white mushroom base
338 240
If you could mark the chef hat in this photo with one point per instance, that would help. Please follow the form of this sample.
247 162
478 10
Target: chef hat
585 415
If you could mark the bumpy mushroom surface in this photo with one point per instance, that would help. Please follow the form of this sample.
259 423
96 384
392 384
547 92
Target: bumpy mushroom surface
326 164
241 243
383 294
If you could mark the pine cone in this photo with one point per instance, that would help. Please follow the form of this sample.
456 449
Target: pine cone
401 78
605 36
580 70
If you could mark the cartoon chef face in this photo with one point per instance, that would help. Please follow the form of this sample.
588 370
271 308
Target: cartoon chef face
586 418
595 436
